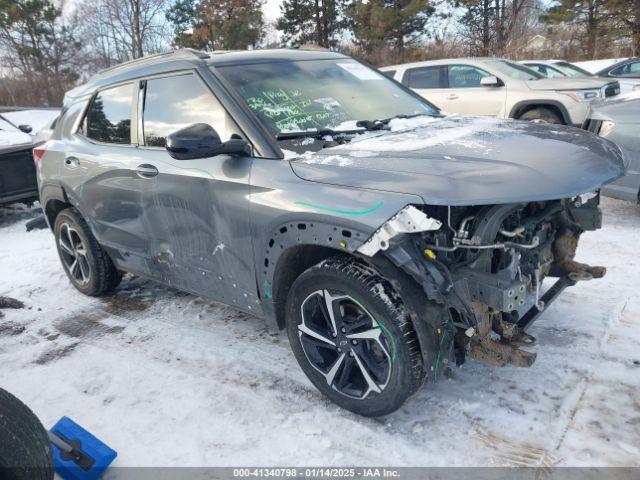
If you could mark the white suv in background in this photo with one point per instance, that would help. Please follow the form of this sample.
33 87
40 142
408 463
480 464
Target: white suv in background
501 88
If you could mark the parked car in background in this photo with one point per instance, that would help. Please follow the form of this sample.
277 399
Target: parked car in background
595 66
618 120
561 68
39 122
501 88
17 171
306 188
629 68
556 68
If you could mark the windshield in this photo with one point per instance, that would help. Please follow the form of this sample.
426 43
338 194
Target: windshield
317 95
572 70
514 70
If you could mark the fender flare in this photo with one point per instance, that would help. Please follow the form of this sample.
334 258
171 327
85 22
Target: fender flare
516 110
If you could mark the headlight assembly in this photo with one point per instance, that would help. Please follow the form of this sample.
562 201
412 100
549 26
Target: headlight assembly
582 95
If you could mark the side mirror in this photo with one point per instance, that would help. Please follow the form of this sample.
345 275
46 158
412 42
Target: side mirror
25 128
490 81
200 140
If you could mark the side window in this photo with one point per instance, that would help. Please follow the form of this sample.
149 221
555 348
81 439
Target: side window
389 73
634 67
537 67
465 76
108 118
625 69
172 103
425 77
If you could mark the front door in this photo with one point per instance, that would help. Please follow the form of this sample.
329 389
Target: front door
465 94
196 212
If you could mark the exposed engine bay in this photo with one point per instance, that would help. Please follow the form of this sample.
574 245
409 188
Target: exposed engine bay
486 265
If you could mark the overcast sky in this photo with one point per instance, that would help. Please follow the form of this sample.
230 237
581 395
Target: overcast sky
271 10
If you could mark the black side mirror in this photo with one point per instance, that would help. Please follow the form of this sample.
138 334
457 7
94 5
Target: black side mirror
200 140
25 128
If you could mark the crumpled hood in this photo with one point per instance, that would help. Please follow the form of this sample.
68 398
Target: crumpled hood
469 161
567 83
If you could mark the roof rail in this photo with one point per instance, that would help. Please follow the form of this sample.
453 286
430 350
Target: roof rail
182 52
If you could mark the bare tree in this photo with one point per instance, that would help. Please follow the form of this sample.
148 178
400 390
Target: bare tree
120 30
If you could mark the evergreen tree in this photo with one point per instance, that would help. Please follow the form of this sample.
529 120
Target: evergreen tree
37 46
311 21
489 25
626 15
590 15
217 25
396 24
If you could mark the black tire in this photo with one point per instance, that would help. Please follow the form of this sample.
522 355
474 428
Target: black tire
103 277
542 115
396 351
25 451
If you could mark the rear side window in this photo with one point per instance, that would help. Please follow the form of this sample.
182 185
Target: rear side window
627 69
465 76
425 77
108 118
175 102
389 73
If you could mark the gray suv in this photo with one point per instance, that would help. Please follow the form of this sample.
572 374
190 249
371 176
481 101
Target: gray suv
309 189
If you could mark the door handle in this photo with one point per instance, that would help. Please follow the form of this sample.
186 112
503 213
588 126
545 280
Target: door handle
452 96
146 171
71 162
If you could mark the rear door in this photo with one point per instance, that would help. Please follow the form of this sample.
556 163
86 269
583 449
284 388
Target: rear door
196 212
429 82
99 173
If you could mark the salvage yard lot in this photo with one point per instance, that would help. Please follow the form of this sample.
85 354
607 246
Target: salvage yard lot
167 378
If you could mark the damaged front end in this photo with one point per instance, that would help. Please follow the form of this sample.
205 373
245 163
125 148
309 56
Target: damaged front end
484 265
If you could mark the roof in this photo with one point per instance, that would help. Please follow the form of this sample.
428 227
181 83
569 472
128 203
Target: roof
187 58
439 61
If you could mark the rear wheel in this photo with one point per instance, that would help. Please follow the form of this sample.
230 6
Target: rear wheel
351 335
541 115
84 261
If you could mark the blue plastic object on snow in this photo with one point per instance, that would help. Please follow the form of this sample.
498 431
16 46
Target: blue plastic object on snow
77 454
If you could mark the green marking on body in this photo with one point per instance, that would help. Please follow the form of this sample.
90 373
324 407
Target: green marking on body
340 211
267 289
437 362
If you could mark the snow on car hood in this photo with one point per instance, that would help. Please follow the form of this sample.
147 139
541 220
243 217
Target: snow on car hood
469 160
11 136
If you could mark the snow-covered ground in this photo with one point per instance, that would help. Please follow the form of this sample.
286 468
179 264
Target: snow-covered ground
167 378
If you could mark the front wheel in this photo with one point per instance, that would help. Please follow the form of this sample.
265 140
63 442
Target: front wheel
351 335
542 115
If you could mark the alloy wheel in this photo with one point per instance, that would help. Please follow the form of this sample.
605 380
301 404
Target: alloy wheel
74 254
343 342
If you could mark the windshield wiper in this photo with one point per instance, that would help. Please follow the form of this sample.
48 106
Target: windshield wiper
383 124
316 133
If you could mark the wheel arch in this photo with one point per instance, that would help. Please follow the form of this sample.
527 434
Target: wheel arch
524 106
53 199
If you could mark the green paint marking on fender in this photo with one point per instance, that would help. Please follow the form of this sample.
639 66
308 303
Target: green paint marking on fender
342 212
267 289
437 362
